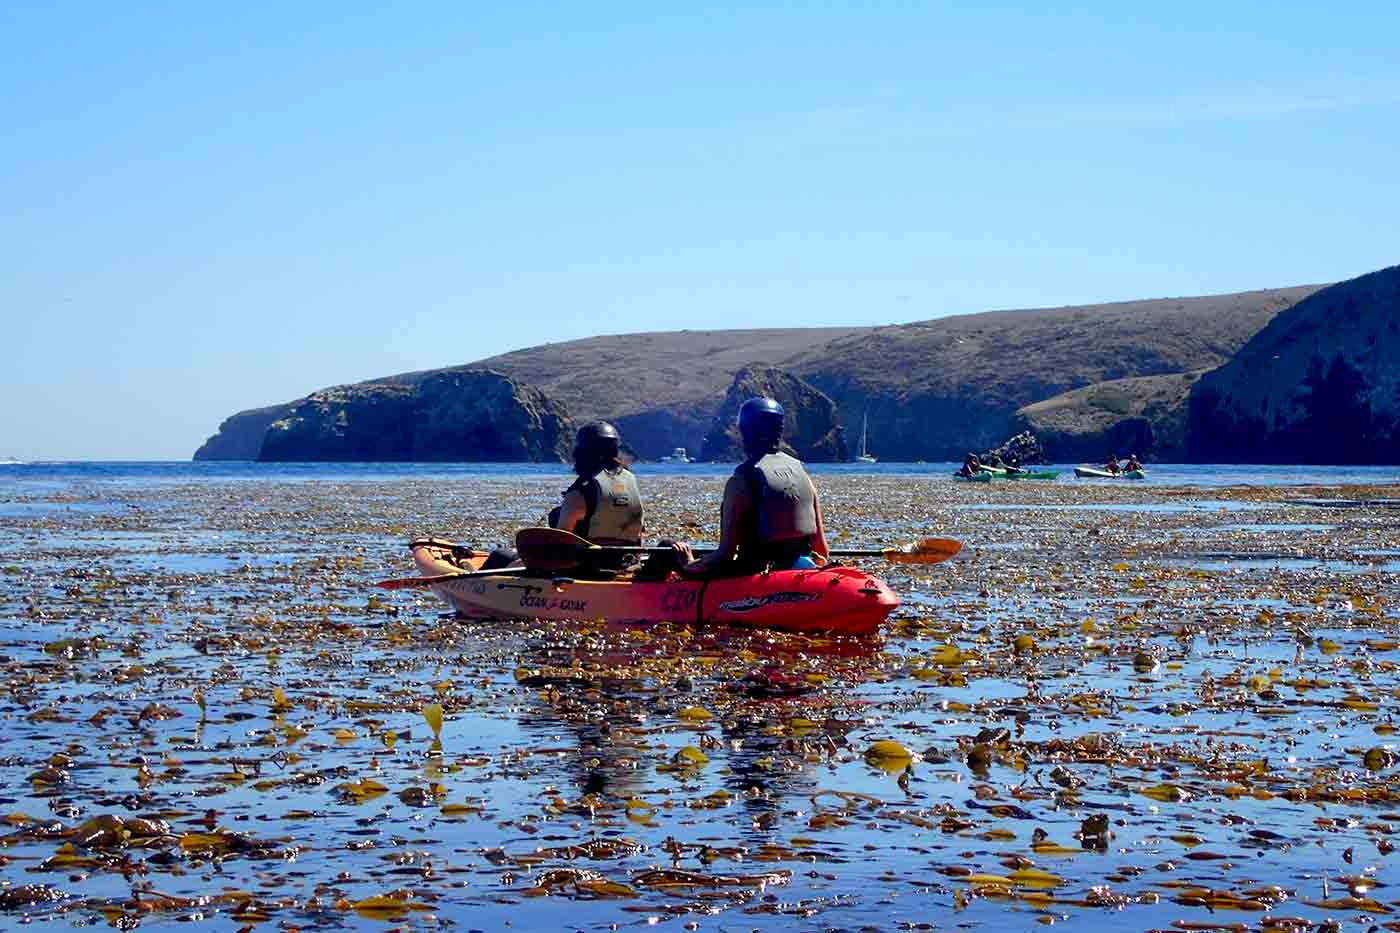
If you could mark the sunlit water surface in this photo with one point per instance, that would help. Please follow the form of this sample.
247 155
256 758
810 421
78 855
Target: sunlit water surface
1127 706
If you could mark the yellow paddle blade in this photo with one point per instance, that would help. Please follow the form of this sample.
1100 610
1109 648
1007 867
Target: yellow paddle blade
927 551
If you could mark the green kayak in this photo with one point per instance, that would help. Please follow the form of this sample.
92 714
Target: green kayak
982 476
1032 474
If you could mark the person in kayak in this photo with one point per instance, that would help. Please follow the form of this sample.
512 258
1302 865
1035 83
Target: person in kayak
604 504
972 464
771 517
1133 463
1112 465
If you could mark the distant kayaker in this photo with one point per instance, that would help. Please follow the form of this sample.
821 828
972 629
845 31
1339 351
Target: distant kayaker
1112 465
770 517
1133 463
971 465
604 504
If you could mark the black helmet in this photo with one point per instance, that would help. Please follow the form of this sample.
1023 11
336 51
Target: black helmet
761 417
597 440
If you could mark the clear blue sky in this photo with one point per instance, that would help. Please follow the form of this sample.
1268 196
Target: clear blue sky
206 208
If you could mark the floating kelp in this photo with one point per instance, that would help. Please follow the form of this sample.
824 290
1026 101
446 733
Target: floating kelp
1128 700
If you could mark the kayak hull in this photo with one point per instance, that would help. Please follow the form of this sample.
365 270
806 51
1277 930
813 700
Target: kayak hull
982 476
1091 473
829 600
1034 474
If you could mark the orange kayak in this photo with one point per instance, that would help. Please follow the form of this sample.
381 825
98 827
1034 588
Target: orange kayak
832 600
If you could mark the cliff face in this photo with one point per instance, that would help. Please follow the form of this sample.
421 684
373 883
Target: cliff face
240 436
932 390
1320 384
938 389
1145 415
458 415
811 431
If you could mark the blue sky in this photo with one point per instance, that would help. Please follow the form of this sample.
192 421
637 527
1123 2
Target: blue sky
210 208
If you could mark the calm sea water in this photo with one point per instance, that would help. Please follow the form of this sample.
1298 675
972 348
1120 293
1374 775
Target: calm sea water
156 472
1213 670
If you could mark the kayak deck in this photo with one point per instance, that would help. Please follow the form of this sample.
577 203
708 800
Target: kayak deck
832 599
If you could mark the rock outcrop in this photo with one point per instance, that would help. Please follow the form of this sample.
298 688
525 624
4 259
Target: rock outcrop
456 415
811 430
1320 384
1145 415
1023 449
240 437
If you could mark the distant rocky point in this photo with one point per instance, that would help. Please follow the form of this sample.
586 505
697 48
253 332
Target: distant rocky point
1139 415
459 415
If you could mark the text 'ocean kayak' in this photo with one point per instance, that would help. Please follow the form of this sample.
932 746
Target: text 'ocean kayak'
834 600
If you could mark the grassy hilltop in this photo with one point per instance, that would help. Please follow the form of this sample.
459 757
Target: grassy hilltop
932 389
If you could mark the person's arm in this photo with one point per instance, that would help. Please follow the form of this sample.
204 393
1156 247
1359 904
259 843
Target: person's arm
819 545
732 513
573 510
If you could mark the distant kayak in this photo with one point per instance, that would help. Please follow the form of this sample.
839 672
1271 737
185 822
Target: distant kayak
981 476
1031 474
1093 473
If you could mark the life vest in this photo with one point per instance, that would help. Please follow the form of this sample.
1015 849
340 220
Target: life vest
614 503
785 506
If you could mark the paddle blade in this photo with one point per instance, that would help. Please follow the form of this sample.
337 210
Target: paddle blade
410 583
551 548
927 551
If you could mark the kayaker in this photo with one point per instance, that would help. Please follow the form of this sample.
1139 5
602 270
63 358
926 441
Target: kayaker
771 517
604 504
971 465
1112 465
1133 463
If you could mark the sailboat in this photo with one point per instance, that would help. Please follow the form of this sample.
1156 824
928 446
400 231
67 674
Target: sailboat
865 456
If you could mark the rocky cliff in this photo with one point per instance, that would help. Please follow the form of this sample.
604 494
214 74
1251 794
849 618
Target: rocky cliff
1145 415
933 390
457 415
939 389
811 430
240 436
1320 384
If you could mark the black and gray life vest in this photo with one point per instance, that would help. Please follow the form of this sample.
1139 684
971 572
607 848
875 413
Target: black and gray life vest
785 503
614 513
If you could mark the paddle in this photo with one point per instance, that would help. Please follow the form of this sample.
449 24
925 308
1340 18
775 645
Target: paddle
460 550
408 583
556 549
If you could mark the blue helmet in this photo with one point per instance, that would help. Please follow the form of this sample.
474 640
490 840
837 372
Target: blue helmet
761 417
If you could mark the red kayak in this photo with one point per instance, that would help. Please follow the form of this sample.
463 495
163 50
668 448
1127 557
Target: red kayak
832 600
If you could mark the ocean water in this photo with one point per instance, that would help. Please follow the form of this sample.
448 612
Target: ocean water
1203 659
40 473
